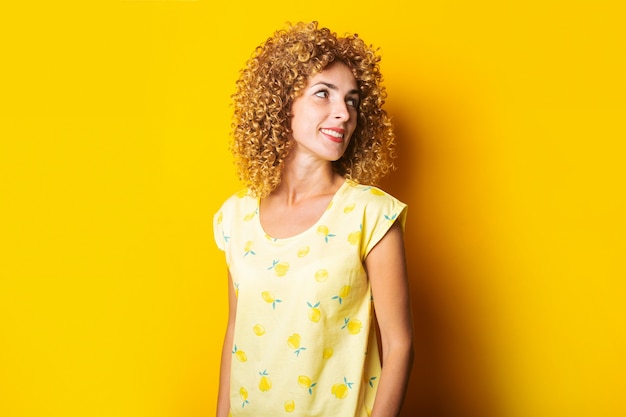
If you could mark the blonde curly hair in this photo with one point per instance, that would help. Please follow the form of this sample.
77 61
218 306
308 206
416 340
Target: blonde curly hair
275 75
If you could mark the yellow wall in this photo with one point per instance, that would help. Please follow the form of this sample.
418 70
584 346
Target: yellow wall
113 158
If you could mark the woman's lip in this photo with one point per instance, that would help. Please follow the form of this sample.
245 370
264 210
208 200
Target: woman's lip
336 135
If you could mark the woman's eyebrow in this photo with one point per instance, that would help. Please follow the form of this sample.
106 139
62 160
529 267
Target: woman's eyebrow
334 87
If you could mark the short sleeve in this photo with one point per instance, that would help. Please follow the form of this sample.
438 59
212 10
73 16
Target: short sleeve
221 224
218 230
381 212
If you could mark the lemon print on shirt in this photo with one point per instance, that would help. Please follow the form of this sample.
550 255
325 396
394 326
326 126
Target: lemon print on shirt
305 382
354 326
392 217
243 393
303 251
250 215
268 297
258 330
321 275
294 342
240 354
314 313
348 209
328 353
374 191
247 249
341 390
355 237
265 383
343 293
323 230
281 268
220 217
290 406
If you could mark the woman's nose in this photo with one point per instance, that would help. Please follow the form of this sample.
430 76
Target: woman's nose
341 110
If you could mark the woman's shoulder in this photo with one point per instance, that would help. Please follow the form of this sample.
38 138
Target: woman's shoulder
371 201
374 209
368 194
241 201
241 197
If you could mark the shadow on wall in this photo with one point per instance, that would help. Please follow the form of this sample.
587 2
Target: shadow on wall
450 376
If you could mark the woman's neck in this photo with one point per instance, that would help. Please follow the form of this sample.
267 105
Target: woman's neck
300 182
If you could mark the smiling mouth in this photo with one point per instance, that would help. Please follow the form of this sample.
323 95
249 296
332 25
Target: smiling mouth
332 133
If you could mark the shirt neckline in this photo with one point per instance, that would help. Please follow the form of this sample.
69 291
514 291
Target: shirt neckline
314 226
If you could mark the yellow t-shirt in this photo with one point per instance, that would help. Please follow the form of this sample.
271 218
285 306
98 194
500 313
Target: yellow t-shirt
305 342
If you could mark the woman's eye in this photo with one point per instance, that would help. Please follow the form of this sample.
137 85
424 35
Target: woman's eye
322 94
352 102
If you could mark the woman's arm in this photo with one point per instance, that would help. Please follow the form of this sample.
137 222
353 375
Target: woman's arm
386 269
223 396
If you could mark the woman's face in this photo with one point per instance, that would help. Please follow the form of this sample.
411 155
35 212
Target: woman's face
325 115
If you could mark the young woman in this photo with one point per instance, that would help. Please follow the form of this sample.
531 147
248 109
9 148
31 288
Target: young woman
315 252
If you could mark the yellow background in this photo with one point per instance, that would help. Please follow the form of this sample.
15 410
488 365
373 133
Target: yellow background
113 158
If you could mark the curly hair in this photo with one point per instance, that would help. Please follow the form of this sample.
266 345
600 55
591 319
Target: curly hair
275 75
